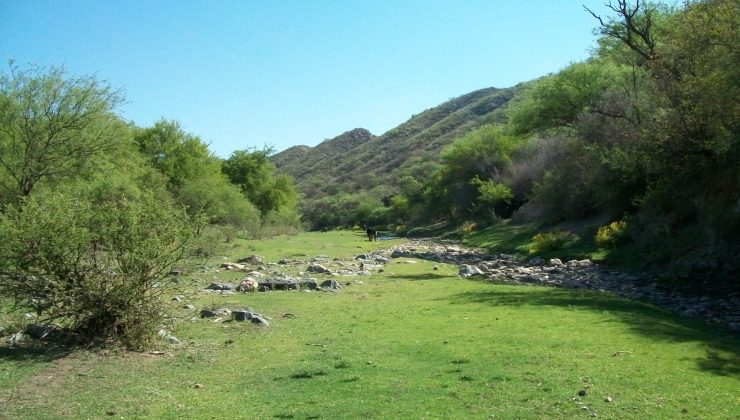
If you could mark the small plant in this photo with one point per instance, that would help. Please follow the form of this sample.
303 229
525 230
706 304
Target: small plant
550 241
612 234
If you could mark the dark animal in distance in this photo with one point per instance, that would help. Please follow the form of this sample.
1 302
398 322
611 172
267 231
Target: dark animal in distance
372 234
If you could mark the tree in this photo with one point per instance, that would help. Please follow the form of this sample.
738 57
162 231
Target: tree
255 174
97 268
50 125
180 156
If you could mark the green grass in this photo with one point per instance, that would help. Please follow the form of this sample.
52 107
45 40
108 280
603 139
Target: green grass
411 342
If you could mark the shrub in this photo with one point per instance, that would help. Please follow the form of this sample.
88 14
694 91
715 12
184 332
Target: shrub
96 269
610 235
550 241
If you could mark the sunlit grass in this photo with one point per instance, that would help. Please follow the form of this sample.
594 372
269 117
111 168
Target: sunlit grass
411 342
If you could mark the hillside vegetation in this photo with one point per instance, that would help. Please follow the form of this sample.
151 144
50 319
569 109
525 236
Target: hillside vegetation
643 136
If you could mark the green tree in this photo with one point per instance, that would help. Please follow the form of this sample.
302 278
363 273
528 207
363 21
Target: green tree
253 172
50 125
180 156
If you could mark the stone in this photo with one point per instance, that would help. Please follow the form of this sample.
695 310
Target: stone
252 259
331 284
172 340
467 271
537 261
17 338
233 266
318 268
435 268
39 331
242 315
221 286
190 307
248 284
555 262
309 284
206 313
178 298
259 319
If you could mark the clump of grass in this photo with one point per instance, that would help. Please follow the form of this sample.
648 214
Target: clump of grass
308 373
550 241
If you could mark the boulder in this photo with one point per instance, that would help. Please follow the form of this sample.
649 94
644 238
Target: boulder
318 268
331 284
221 286
252 259
555 262
233 266
248 284
467 271
309 284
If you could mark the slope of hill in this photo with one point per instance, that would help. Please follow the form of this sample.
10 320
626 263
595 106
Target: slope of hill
358 161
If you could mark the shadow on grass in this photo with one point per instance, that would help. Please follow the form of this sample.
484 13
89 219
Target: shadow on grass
35 352
723 349
419 277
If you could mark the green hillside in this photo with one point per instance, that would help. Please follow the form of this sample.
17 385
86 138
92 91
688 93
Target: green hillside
357 161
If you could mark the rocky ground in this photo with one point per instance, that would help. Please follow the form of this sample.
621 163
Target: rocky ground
497 268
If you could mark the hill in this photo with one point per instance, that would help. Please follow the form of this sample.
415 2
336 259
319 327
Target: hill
357 161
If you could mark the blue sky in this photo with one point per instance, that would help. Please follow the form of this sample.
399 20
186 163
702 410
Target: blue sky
251 73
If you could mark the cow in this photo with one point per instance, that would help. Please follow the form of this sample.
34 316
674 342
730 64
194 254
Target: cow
372 234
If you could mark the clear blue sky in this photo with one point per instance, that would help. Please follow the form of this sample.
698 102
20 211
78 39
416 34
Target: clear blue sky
247 73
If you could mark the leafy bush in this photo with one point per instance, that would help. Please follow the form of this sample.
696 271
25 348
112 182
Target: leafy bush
550 241
97 269
612 234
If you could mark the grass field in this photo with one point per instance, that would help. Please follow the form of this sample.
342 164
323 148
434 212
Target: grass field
410 342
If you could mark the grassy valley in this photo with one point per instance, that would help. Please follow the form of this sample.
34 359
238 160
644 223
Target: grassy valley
411 341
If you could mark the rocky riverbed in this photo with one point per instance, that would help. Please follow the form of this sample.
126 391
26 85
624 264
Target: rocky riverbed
501 268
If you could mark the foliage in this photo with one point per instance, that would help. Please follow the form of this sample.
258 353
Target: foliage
550 241
50 125
96 268
255 175
178 155
610 235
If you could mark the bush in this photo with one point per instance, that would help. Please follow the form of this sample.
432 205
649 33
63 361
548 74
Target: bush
550 241
97 270
612 234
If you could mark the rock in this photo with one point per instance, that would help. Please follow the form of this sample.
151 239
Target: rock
242 315
467 271
397 253
435 268
537 261
331 284
582 393
258 319
309 284
555 262
318 268
17 338
39 331
178 298
221 286
248 284
363 273
190 307
206 313
263 289
233 266
172 340
252 259
382 260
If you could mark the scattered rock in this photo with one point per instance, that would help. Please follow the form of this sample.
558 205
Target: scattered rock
331 284
248 284
234 266
252 259
467 271
318 268
537 261
221 286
